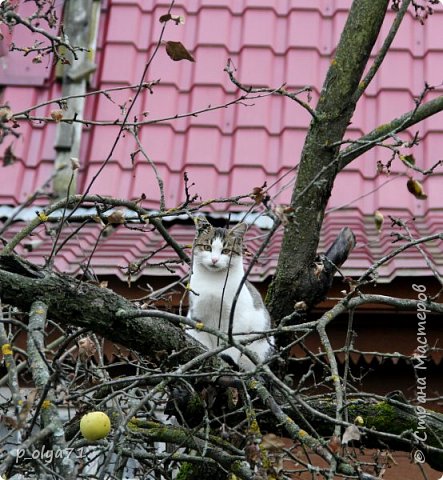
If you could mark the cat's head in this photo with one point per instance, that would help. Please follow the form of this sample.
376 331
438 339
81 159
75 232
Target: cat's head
218 249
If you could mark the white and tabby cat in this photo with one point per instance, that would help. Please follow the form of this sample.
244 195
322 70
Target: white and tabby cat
217 270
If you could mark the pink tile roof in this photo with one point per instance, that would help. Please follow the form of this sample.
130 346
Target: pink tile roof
229 151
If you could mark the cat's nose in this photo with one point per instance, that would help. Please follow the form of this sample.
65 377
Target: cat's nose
214 260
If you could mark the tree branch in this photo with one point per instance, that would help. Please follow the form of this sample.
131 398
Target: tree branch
40 372
295 278
74 303
399 124
383 51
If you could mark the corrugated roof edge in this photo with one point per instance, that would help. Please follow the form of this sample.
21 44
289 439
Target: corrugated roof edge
27 214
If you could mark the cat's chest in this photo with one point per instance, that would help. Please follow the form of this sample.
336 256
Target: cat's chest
210 294
208 288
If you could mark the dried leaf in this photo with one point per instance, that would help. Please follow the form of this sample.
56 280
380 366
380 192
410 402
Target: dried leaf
318 268
300 306
37 59
233 396
117 217
378 220
86 348
97 219
380 167
334 444
351 433
57 115
257 195
416 188
9 157
284 213
177 51
178 19
5 114
8 422
260 195
257 192
277 465
26 407
272 442
75 164
252 453
161 355
165 18
208 396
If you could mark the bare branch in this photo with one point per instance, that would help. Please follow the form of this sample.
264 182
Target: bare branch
383 51
229 69
368 141
42 379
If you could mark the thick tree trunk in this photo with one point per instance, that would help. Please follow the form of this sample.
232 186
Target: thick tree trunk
72 302
295 278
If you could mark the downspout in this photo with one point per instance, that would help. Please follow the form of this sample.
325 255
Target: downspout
81 19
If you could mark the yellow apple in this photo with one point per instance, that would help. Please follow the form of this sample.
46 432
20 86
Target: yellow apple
95 425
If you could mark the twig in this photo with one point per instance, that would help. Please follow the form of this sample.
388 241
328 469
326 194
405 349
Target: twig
368 141
395 252
23 114
273 91
154 168
13 18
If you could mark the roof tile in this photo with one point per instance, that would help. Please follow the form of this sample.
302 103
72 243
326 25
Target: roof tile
306 67
215 26
256 66
117 71
210 61
129 16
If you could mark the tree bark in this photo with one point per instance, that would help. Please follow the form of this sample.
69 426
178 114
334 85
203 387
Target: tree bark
398 421
295 278
72 302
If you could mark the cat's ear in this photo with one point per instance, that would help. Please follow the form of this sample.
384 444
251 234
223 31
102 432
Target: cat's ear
202 224
239 230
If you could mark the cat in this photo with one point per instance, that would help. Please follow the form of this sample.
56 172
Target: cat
216 273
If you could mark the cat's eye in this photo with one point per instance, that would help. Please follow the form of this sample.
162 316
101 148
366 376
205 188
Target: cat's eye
226 251
208 248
